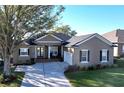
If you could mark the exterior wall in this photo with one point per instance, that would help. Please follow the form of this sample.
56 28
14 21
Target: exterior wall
120 45
94 45
47 43
32 51
21 59
49 38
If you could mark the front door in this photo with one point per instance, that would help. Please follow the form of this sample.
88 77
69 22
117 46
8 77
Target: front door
40 52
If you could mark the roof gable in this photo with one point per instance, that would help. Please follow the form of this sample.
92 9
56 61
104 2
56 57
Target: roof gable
24 43
49 37
111 36
99 37
116 36
88 37
76 39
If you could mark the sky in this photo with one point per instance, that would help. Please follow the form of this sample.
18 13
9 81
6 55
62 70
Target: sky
93 18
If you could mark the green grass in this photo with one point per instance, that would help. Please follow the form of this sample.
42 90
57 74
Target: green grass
108 77
16 82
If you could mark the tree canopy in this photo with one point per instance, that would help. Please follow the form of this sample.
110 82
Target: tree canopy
18 22
66 29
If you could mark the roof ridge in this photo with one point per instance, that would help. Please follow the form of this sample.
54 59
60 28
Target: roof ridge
85 38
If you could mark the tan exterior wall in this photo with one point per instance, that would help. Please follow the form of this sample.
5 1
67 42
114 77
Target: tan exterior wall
42 44
94 45
68 49
17 58
32 51
49 38
120 52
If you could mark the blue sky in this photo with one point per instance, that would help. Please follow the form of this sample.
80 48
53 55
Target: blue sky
94 19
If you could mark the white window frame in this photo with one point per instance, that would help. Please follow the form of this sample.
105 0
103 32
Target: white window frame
104 61
27 52
85 50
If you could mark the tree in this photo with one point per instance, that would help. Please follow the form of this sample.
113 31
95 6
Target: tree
66 29
22 22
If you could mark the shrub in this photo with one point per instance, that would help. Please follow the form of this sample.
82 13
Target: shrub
7 79
118 57
98 66
26 62
83 68
104 66
72 68
91 68
32 61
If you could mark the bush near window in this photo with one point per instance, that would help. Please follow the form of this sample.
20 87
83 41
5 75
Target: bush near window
27 62
72 68
75 68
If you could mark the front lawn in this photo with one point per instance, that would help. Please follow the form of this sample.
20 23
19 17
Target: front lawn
98 78
16 82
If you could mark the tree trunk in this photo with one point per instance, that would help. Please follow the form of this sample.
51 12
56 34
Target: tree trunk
7 66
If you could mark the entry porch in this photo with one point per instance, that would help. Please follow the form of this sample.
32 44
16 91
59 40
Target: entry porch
48 53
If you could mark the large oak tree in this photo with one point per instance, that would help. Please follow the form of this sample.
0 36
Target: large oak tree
21 22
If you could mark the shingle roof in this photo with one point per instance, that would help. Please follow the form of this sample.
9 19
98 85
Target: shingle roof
116 36
62 36
77 39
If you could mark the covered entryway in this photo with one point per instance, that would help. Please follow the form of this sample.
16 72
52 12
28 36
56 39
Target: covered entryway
49 48
49 53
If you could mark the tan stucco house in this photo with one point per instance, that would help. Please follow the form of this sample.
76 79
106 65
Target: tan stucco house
86 50
117 38
81 50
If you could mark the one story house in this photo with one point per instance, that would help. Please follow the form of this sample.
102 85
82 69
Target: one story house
82 50
86 50
117 38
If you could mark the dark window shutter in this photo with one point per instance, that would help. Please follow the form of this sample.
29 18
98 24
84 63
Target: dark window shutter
100 55
19 51
28 51
80 56
107 55
88 55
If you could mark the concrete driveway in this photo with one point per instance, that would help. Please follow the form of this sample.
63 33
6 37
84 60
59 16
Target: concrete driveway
44 75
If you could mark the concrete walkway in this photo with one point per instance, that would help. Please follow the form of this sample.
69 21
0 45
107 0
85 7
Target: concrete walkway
44 75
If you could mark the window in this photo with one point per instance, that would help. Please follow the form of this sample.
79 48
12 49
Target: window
104 54
84 56
23 51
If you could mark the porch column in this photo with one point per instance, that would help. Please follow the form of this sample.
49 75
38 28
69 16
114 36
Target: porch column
35 52
49 49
